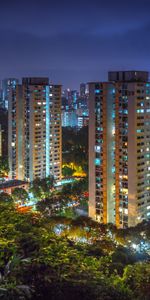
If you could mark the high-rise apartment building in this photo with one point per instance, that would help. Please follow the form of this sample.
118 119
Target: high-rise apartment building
4 131
119 149
0 140
34 143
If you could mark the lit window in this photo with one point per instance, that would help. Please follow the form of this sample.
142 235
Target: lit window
97 91
97 161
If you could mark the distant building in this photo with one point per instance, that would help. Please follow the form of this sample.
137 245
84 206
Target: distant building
34 129
84 95
69 118
72 100
64 104
119 149
69 98
82 89
6 86
75 110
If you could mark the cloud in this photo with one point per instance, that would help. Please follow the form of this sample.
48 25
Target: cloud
50 17
72 44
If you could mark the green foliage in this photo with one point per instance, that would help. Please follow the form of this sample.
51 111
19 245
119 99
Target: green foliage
75 147
76 188
67 171
20 195
80 186
44 256
41 188
67 189
4 168
5 198
137 277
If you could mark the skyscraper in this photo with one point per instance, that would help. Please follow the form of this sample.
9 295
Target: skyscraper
119 149
7 84
82 89
69 118
35 129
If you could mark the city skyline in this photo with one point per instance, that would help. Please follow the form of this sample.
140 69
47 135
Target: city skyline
75 150
73 43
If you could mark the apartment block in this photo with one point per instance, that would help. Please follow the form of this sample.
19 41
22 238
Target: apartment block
34 129
119 149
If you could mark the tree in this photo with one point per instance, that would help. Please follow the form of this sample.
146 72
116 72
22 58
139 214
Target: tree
137 277
41 188
20 195
67 171
47 184
66 190
53 205
75 147
4 168
80 186
36 188
5 198
53 257
47 206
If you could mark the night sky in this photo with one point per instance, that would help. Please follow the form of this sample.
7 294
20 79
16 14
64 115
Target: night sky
73 41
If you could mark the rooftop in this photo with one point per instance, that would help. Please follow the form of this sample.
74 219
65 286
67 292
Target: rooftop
12 183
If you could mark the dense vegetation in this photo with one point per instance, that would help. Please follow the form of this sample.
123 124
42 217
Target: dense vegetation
46 256
52 253
4 168
75 148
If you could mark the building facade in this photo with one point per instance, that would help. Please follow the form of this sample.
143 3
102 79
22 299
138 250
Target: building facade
82 89
119 149
0 140
34 129
69 118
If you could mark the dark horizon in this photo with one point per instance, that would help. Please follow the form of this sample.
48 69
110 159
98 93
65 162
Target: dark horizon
73 43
